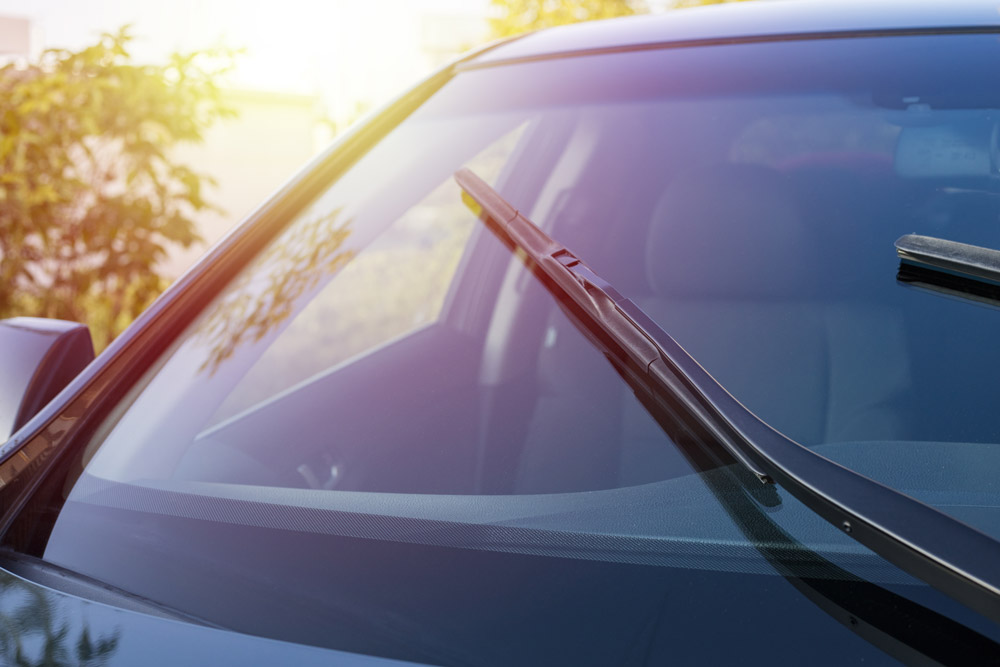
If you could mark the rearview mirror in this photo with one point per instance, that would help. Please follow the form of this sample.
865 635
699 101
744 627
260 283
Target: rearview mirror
38 357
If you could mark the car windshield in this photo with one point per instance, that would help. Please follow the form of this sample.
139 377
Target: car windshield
387 435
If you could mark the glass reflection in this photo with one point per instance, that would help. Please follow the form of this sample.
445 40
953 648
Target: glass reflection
36 630
261 301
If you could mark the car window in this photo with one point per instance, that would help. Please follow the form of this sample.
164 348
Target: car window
389 395
338 314
398 284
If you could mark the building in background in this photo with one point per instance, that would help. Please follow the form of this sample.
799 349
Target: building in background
16 37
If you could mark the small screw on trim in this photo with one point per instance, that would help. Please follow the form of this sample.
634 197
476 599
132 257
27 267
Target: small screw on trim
846 526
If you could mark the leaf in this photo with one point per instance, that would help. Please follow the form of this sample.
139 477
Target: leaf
517 16
89 199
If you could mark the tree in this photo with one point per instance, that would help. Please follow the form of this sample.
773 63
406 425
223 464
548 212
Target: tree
517 16
90 199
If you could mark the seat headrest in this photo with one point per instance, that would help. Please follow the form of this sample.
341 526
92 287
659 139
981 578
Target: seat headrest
728 230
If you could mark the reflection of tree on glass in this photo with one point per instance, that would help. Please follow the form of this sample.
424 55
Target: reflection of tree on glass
292 327
33 632
262 300
395 287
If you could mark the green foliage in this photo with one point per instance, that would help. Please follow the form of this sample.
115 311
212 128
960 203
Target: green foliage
517 16
90 199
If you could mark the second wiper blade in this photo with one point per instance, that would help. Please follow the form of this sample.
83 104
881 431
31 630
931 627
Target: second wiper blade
963 260
946 553
951 268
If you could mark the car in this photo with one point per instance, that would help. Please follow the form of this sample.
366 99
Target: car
664 339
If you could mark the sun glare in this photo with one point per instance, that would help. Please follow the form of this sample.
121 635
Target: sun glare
350 52
306 69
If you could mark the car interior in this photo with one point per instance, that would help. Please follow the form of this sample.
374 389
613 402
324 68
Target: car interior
778 278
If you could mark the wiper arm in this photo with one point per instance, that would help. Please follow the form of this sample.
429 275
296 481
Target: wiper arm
946 553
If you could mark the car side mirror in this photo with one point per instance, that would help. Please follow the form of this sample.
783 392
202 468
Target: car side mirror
38 357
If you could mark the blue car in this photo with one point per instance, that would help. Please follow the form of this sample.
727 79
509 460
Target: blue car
665 339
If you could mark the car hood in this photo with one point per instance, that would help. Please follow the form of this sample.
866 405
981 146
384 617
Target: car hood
37 621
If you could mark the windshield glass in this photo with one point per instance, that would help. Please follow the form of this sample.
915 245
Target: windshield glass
386 435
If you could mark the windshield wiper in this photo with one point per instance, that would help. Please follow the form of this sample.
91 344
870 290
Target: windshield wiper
959 259
946 553
956 269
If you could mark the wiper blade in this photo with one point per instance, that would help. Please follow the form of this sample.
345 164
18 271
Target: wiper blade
959 259
944 552
952 268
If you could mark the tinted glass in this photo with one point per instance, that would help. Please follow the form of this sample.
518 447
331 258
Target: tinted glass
388 436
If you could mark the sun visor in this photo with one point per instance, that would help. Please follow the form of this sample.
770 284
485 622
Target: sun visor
952 150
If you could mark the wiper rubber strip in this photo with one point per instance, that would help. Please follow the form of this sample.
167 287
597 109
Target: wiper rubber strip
963 260
953 557
956 270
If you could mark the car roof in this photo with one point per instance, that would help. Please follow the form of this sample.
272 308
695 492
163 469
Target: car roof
749 21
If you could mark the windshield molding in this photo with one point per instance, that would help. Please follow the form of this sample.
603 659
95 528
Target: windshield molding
474 64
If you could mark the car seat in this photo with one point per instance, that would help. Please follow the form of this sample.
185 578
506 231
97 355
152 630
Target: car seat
735 274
